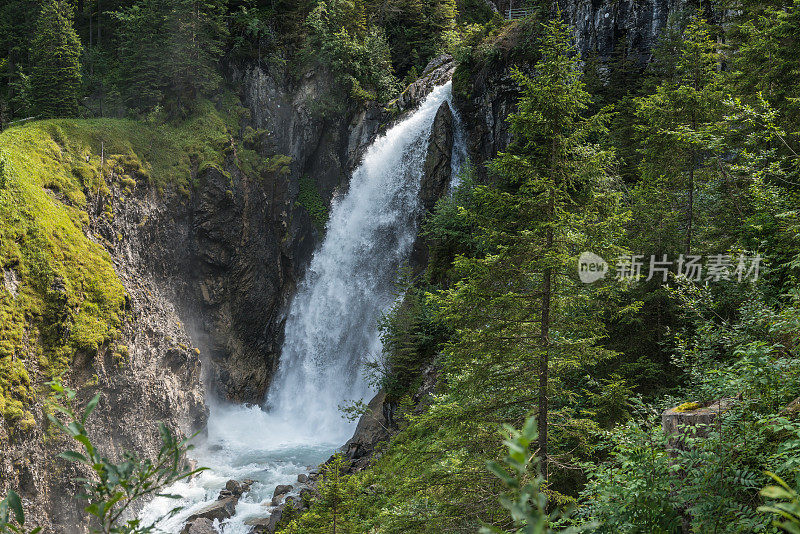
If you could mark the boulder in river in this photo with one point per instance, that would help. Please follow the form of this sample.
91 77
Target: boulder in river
221 509
260 525
236 488
282 489
201 525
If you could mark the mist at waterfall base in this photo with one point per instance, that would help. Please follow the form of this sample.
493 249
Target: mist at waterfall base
330 330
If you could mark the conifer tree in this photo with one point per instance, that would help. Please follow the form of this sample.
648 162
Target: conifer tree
675 123
517 306
55 54
170 50
331 508
197 34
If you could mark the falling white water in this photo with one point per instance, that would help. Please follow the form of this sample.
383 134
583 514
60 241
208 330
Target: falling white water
330 330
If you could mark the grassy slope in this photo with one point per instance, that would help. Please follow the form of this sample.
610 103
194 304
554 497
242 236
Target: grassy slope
69 299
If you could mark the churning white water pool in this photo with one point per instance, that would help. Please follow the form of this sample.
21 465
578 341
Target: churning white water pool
331 329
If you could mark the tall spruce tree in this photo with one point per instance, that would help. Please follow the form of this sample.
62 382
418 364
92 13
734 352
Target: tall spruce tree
197 34
675 123
169 51
55 54
518 308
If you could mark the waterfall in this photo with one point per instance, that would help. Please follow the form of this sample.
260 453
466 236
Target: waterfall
331 328
332 324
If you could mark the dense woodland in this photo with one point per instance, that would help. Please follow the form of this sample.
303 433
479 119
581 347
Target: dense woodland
693 154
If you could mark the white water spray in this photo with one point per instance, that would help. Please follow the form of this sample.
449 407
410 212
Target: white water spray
331 328
332 325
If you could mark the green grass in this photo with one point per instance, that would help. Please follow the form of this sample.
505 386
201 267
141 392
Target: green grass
70 300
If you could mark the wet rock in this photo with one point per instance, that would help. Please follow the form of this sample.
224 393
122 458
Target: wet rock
260 525
282 489
438 71
237 488
221 509
437 169
302 478
200 525
372 428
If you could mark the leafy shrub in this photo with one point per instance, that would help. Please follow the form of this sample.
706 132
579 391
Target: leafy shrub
310 199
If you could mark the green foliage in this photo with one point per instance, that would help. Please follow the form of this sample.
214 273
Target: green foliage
116 486
55 54
169 52
786 505
675 123
411 337
712 481
309 198
331 507
357 54
527 502
416 30
765 60
12 516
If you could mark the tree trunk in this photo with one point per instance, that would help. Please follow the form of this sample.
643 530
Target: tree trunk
690 209
544 365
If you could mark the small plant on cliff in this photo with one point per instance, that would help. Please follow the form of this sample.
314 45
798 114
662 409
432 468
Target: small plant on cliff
116 486
312 201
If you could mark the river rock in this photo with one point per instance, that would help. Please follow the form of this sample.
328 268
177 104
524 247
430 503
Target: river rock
237 488
282 489
302 478
221 509
201 525
260 525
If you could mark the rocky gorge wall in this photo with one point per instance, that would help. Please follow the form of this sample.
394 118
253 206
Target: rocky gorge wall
487 95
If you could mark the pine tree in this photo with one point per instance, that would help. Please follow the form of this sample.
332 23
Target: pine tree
170 51
195 40
330 512
675 123
517 307
55 54
766 58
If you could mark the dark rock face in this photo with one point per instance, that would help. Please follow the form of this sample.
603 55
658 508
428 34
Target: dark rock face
437 168
239 279
492 98
372 428
600 26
